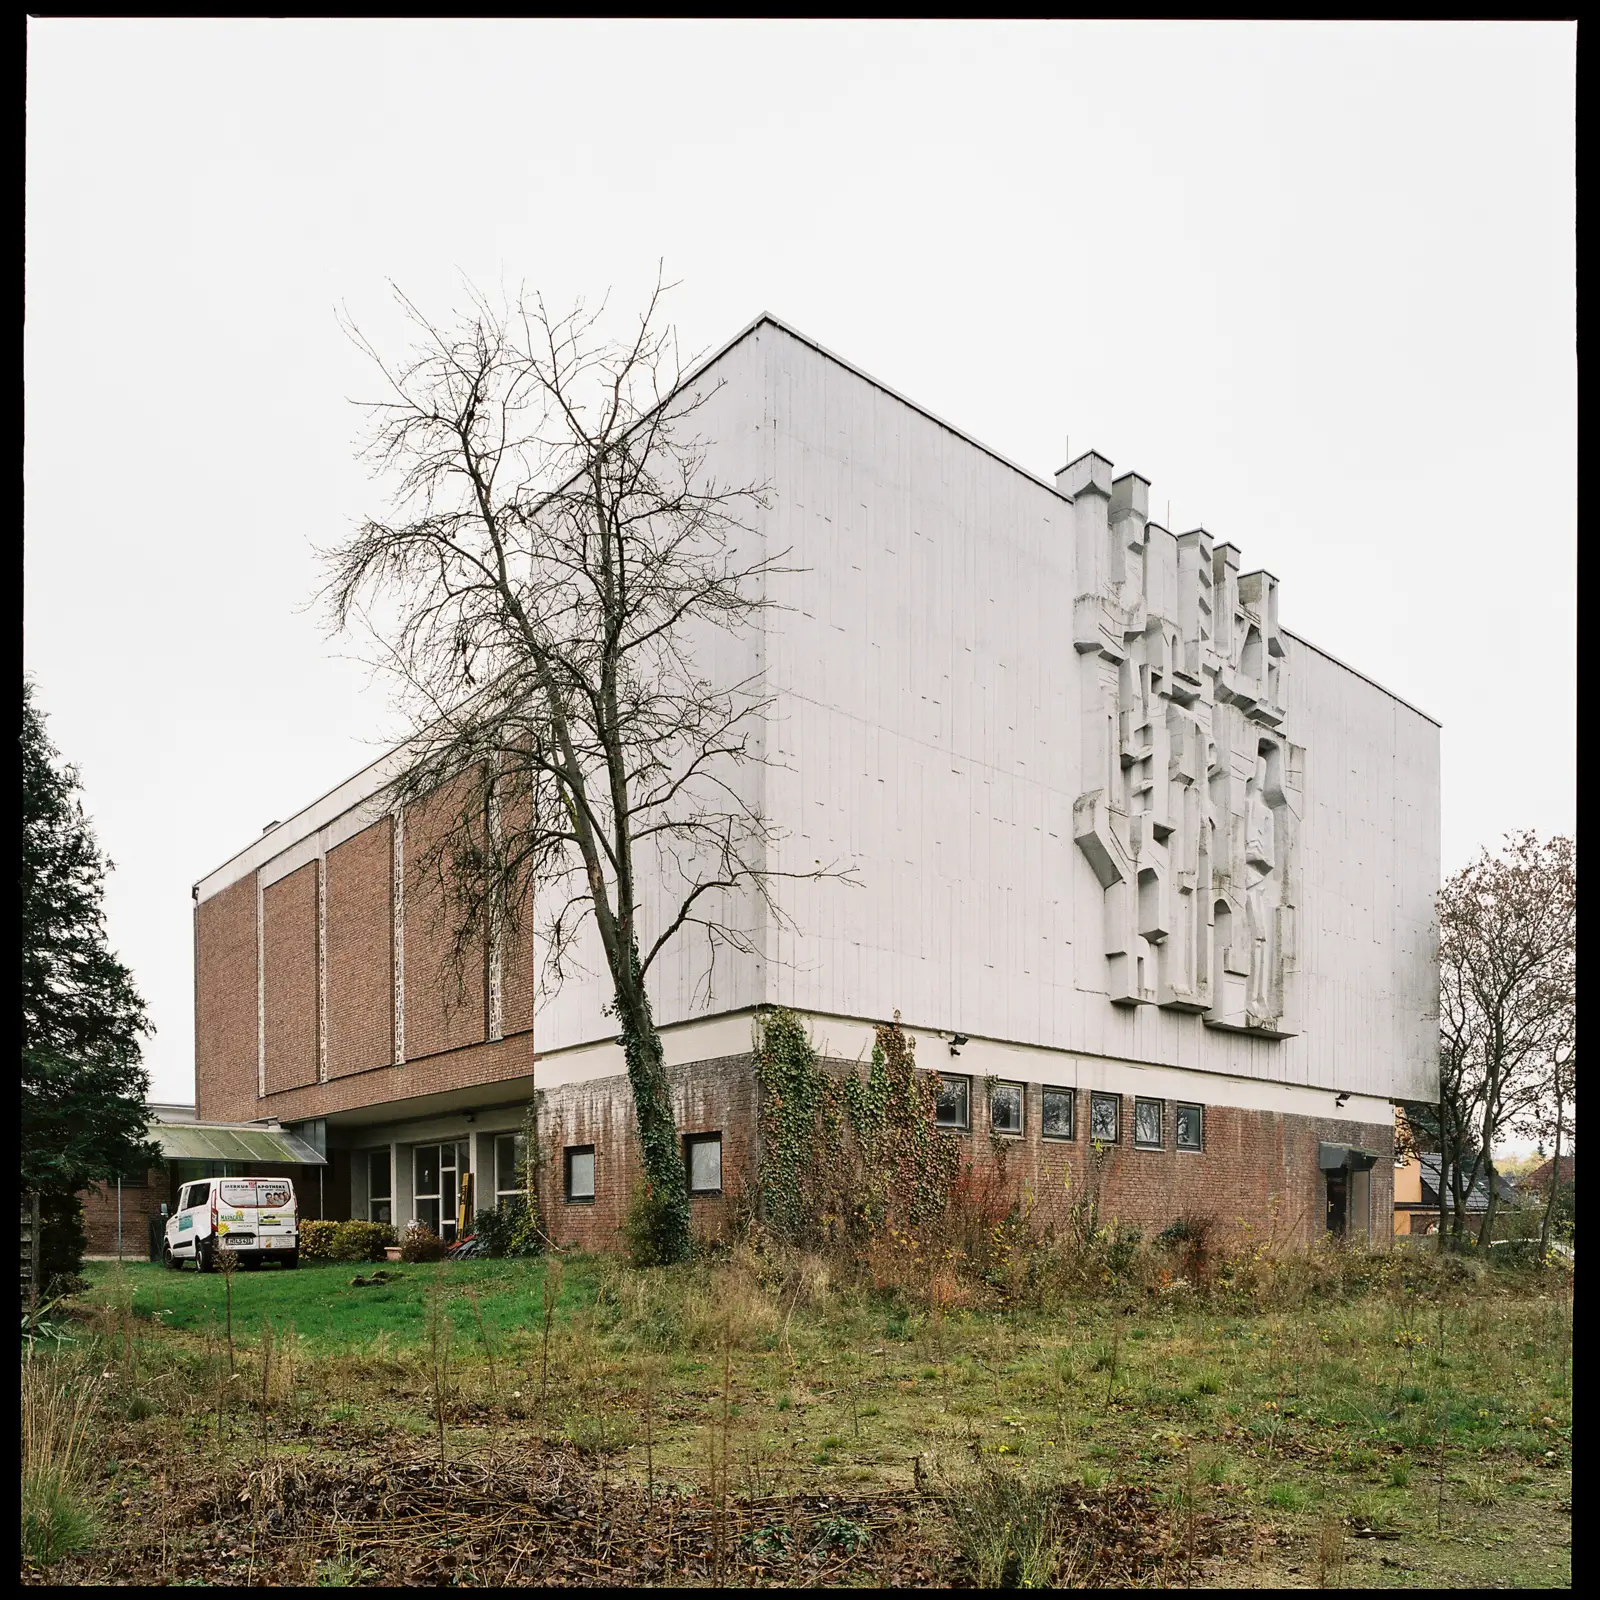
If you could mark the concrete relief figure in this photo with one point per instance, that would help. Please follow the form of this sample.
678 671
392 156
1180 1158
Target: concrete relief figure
1201 799
1258 865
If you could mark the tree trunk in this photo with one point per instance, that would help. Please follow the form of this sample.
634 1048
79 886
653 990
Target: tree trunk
1486 1227
1458 1203
658 1131
1555 1175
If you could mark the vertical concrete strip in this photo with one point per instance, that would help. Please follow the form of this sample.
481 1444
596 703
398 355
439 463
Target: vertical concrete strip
261 991
322 968
496 1025
398 907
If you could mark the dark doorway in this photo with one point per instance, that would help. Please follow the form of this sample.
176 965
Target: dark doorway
1338 1201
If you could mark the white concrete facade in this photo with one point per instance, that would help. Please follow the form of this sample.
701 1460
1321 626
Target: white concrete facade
934 727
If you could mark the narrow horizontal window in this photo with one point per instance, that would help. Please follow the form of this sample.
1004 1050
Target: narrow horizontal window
1005 1107
1059 1119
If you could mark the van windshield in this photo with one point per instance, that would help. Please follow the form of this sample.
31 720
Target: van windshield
256 1192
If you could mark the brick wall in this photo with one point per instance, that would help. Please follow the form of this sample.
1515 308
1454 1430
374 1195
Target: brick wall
141 1200
361 951
225 1041
498 1062
708 1096
1256 1167
441 1014
289 978
446 1044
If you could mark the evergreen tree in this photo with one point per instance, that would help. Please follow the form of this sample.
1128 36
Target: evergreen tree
83 1080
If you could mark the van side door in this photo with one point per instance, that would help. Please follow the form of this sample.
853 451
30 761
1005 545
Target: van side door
194 1217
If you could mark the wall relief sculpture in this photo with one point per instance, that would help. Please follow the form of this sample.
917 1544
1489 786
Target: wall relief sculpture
1190 815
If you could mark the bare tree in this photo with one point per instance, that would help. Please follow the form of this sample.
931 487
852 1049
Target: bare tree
1508 1002
1551 1116
559 555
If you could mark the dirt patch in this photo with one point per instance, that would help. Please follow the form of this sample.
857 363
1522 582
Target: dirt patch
547 1516
543 1518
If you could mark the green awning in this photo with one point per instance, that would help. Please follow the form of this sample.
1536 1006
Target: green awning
200 1141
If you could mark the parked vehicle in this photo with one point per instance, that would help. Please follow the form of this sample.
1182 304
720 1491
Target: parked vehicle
253 1219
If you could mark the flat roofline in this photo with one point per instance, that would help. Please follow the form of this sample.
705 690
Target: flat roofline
696 370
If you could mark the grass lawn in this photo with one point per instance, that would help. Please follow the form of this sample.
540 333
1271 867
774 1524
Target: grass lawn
680 1426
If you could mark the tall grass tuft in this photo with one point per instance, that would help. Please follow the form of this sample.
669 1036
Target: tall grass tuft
1008 1531
57 1413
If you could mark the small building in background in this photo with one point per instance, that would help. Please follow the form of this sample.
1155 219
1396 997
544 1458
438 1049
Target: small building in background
1416 1195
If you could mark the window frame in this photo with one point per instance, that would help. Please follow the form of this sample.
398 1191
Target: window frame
690 1142
1161 1122
1180 1106
567 1153
190 1203
965 1124
1021 1129
387 1198
1070 1136
1097 1097
515 1192
447 1199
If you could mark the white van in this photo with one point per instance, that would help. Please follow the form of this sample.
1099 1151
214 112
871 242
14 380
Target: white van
253 1219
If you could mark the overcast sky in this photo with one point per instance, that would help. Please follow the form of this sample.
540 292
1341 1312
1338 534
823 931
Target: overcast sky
1315 282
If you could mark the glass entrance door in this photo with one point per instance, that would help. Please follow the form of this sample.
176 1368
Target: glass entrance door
437 1184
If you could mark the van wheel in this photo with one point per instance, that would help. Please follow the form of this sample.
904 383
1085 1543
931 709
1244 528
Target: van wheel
204 1260
292 1260
168 1260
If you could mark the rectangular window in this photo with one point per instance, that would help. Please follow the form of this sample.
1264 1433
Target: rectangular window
950 1109
1105 1116
1147 1129
1191 1127
510 1154
702 1160
438 1170
199 1195
1005 1107
580 1173
380 1187
1059 1119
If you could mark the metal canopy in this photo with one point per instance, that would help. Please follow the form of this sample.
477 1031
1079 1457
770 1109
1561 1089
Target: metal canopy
200 1141
1332 1157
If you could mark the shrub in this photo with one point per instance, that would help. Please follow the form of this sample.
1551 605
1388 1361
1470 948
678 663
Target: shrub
61 1243
361 1241
421 1243
643 1226
316 1240
1010 1530
1189 1240
512 1230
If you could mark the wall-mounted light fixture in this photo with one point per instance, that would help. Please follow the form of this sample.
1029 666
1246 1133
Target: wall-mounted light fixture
956 1042
1340 1099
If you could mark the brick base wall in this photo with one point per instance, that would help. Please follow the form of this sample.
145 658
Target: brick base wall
1257 1170
140 1202
717 1096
